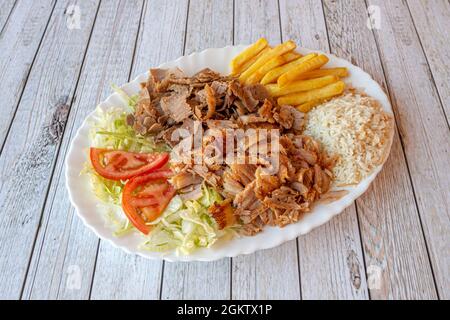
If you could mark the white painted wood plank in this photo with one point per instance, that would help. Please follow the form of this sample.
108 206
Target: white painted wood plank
210 24
268 274
19 42
78 249
432 23
7 6
424 131
256 19
162 34
65 248
331 259
390 226
196 280
119 275
28 156
331 262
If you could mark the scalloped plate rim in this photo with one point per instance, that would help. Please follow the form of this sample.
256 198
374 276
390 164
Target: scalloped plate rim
258 245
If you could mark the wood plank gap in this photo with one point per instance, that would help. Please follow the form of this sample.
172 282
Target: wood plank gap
184 52
231 279
129 76
326 25
433 80
298 268
405 157
251 273
362 248
64 261
234 13
57 151
133 58
64 252
356 205
7 18
231 258
93 272
367 212
296 240
186 26
26 79
161 280
281 36
340 233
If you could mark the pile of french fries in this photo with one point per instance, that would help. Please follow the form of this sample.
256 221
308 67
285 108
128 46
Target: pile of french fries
290 77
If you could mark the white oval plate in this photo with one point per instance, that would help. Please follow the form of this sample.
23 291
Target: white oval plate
218 59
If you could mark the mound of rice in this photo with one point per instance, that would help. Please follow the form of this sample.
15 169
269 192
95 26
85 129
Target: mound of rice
354 127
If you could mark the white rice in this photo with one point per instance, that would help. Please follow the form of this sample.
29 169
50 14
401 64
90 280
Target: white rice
355 128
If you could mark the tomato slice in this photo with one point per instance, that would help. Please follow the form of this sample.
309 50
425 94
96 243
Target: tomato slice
122 165
145 197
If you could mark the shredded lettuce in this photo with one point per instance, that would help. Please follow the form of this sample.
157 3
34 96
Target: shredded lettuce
185 226
130 100
108 191
117 221
110 130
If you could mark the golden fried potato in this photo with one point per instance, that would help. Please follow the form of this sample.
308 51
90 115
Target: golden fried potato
271 64
294 73
247 54
301 85
307 106
326 92
247 65
276 51
339 72
273 74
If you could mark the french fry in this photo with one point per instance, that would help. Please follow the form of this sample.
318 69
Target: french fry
307 106
326 92
276 51
339 72
301 85
273 74
247 54
271 64
293 74
247 65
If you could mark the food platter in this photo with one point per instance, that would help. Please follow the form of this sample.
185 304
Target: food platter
218 59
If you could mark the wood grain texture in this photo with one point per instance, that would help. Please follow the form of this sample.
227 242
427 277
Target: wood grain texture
196 280
432 23
209 24
7 7
392 236
119 275
256 19
268 274
19 42
29 153
331 259
423 129
64 247
162 34
48 70
113 279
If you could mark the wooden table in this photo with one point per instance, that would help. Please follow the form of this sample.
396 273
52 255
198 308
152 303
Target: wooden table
57 61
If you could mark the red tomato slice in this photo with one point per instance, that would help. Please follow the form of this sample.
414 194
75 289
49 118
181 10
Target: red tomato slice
145 197
122 165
